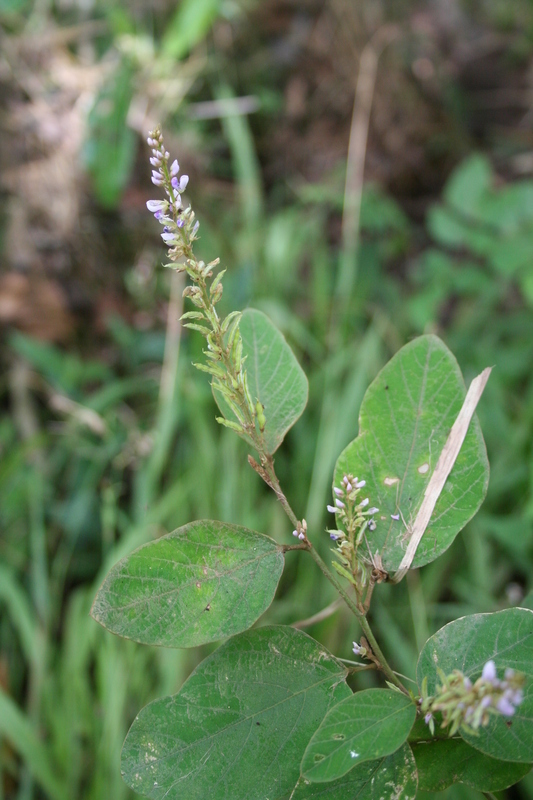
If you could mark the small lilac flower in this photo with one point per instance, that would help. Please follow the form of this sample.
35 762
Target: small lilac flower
174 182
333 536
486 701
301 536
174 168
339 503
158 215
467 683
295 533
371 525
505 707
364 502
151 142
180 223
395 517
338 492
182 184
357 648
360 484
373 510
157 205
489 672
349 487
428 717
195 228
332 509
169 238
157 179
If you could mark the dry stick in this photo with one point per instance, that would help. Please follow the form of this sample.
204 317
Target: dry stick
355 167
447 458
319 616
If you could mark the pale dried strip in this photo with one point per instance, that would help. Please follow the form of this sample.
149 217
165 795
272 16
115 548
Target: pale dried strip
447 458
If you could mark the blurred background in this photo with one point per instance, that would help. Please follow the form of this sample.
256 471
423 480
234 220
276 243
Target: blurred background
365 172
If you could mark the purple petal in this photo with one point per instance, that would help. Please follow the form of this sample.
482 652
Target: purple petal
489 671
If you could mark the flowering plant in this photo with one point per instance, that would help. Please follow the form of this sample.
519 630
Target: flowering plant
269 714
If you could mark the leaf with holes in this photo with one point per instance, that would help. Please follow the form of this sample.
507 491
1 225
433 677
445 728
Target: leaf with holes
203 582
366 726
389 778
442 762
405 419
238 727
274 377
466 644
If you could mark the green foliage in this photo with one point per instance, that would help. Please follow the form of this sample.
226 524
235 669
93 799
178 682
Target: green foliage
275 378
205 581
110 145
364 727
443 762
384 779
238 727
404 421
467 644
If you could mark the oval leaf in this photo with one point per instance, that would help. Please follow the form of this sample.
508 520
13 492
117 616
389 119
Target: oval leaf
238 727
390 778
506 638
405 418
368 725
203 582
441 762
274 377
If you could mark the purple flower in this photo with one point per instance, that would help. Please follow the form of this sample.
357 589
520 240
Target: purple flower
157 205
180 223
174 168
338 492
169 238
364 502
505 707
360 484
489 672
371 525
332 509
333 536
373 510
339 503
301 535
395 517
428 717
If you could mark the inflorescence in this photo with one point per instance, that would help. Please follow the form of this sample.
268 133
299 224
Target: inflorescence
469 706
224 353
355 516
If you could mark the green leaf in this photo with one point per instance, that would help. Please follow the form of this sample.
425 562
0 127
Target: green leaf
109 150
17 729
405 419
441 762
274 377
468 184
466 644
388 778
203 582
238 727
366 726
190 24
